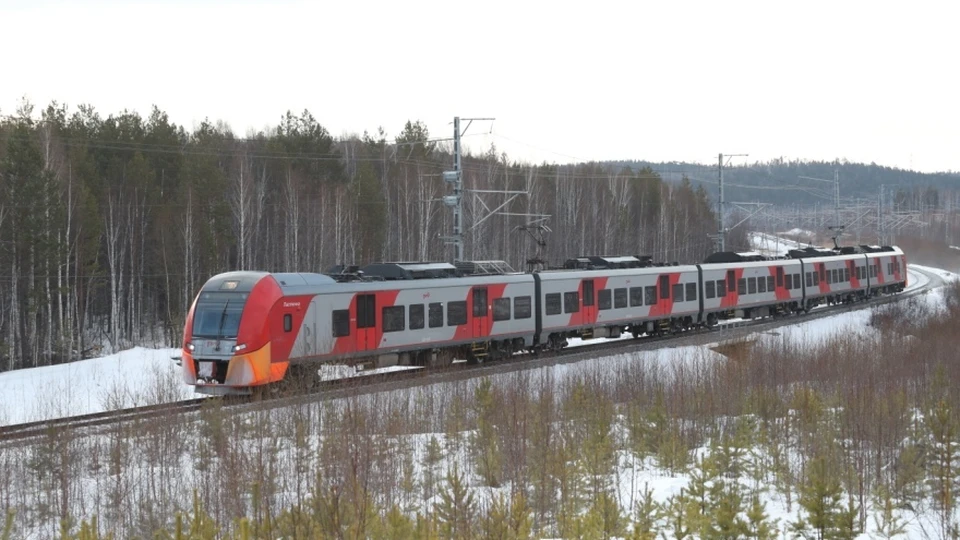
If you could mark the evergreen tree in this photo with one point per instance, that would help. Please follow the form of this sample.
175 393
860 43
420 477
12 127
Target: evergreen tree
456 507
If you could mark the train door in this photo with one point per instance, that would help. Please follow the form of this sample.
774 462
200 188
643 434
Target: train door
589 303
366 322
481 320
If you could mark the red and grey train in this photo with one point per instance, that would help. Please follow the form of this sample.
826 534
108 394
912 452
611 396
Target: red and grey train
247 329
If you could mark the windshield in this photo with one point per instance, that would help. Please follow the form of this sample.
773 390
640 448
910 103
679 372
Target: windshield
212 320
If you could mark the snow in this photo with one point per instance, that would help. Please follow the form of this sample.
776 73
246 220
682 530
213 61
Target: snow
130 378
773 245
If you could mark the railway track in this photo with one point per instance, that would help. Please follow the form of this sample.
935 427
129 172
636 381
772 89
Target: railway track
379 382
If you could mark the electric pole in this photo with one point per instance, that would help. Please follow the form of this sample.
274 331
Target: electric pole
455 177
721 232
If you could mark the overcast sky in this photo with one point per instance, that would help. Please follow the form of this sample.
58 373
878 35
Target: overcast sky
566 81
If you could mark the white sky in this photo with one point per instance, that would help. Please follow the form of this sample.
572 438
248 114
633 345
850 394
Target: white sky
656 80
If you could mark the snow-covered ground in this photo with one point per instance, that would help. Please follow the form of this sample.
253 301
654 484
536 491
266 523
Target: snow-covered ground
773 245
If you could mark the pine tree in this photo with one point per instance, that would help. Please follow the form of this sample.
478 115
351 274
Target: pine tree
456 507
485 445
646 515
759 526
888 523
820 497
604 519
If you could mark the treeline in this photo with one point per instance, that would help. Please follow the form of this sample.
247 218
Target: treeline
779 182
109 225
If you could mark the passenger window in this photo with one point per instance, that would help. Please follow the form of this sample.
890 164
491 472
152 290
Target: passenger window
770 283
435 314
752 285
742 285
761 285
789 284
691 292
501 309
678 292
721 288
456 313
710 289
521 307
341 322
571 302
619 298
553 304
393 320
796 282
636 297
416 316
604 299
650 295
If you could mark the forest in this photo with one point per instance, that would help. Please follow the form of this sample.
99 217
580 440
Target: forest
109 224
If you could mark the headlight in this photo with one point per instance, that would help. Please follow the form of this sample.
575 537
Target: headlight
190 347
240 347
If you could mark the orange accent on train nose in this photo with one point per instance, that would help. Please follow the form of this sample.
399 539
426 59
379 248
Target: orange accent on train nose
188 367
254 369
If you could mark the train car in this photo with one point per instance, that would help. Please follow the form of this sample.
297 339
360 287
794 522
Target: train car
888 269
607 302
247 329
745 285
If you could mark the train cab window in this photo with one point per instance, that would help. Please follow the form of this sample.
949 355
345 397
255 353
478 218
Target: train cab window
742 285
604 299
571 302
501 309
552 304
650 295
731 281
393 320
287 322
522 307
721 288
691 291
761 285
664 287
678 292
341 322
619 298
752 285
416 316
366 310
456 313
435 314
636 297
710 289
588 292
779 276
480 302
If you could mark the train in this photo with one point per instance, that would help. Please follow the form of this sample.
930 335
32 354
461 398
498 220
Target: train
247 329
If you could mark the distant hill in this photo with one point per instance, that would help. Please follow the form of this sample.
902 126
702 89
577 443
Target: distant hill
779 181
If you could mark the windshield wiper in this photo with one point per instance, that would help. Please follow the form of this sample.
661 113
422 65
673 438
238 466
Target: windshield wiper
223 317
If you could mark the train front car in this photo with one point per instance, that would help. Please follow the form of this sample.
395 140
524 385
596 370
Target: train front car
226 345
